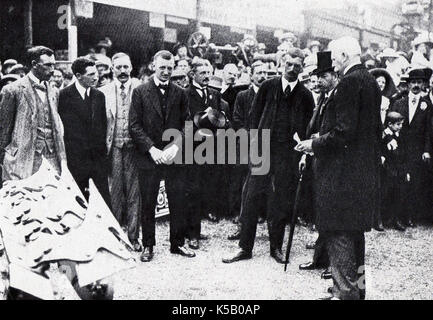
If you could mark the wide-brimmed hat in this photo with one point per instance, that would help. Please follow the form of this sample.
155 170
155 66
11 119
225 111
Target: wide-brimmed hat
8 77
324 63
16 68
389 85
422 38
388 53
9 62
212 119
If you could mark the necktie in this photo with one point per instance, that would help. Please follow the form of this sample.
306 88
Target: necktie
41 86
163 87
287 91
123 94
413 101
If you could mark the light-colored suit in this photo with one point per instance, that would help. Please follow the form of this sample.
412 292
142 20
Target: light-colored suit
123 178
18 129
111 106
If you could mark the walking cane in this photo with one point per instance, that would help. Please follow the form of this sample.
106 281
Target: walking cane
293 222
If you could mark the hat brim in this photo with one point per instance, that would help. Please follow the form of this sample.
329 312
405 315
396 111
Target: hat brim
317 72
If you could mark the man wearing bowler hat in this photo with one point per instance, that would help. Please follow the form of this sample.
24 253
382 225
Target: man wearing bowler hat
284 107
416 139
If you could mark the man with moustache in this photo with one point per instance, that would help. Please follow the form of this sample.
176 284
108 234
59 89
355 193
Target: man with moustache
123 178
157 106
416 139
82 110
347 169
327 82
30 126
243 103
284 107
202 180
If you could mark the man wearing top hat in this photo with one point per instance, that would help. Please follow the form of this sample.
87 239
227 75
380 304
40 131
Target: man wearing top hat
327 81
346 173
284 107
416 139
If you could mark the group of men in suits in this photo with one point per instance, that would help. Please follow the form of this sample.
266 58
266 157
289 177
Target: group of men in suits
113 134
341 138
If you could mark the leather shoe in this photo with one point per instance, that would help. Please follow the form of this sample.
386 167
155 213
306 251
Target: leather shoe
203 236
277 254
136 245
399 226
379 227
307 266
235 236
240 255
326 274
311 245
183 251
147 254
212 218
194 244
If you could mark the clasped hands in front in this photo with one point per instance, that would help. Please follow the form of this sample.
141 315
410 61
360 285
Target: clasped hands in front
164 156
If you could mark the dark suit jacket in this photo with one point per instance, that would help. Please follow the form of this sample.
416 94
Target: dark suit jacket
196 102
85 147
263 114
230 97
146 121
243 103
416 136
347 155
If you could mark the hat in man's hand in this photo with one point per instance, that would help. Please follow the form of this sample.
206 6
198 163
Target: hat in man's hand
211 119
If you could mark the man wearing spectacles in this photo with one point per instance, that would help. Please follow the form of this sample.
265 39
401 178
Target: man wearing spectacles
30 126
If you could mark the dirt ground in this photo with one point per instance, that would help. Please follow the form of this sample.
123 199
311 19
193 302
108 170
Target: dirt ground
398 266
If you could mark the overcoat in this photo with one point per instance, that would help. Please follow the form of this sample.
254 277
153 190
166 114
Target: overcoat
347 155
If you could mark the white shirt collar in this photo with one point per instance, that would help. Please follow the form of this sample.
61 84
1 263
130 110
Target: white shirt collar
34 79
158 82
412 96
127 84
255 88
81 90
195 84
286 83
224 87
350 67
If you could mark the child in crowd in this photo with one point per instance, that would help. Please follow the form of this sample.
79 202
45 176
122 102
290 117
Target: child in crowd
396 176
